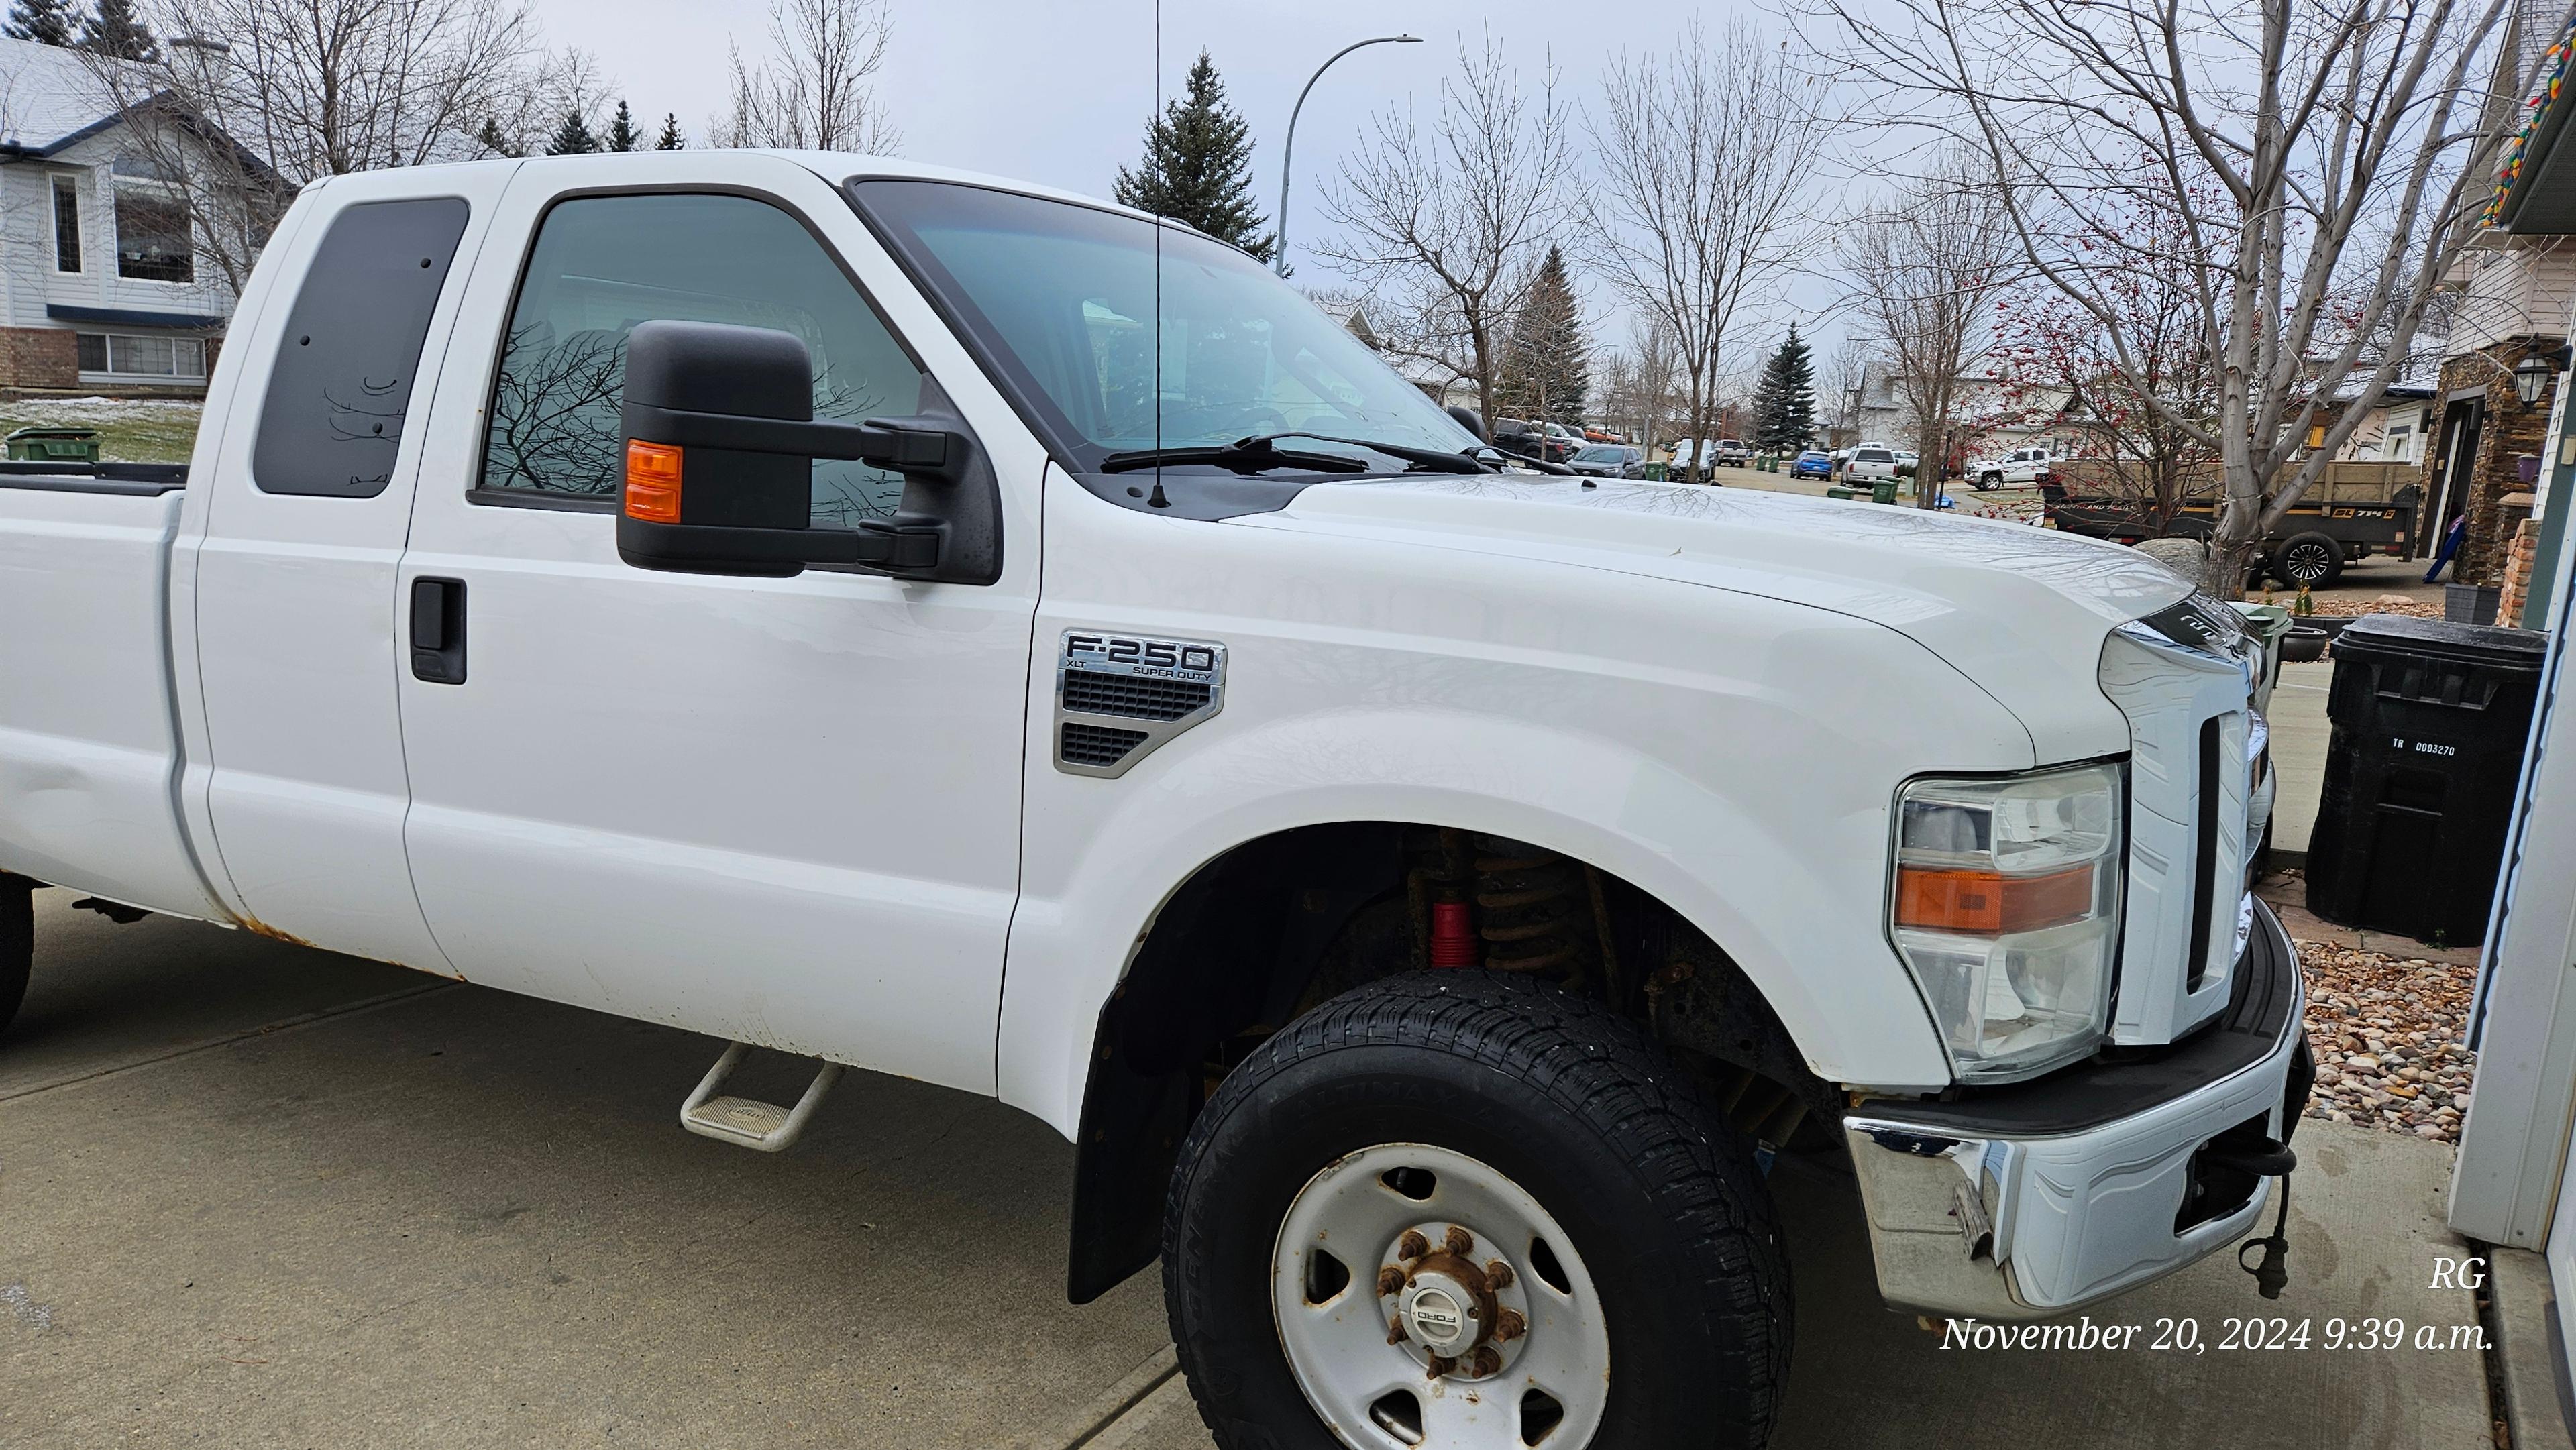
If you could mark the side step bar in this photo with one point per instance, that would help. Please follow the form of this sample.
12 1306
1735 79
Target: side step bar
746 1122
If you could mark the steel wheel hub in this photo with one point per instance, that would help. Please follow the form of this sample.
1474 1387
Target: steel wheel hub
1423 1298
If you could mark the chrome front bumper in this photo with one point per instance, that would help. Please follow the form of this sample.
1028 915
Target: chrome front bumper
2048 1196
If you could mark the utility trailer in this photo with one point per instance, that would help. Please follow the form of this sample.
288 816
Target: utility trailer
2354 511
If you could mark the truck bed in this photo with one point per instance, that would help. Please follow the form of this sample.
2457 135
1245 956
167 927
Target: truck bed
88 727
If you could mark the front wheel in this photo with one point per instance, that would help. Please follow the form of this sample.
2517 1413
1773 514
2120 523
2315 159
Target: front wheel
1458 1209
17 942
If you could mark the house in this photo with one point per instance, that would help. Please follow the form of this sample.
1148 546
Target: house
104 287
2511 292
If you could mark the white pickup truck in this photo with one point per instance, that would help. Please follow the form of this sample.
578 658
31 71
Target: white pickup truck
948 628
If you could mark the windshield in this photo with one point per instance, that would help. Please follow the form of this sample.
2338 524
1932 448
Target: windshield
1598 454
1116 355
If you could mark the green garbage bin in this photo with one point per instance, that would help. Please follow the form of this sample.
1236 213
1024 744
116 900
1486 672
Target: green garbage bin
1654 473
1838 491
1883 491
37 444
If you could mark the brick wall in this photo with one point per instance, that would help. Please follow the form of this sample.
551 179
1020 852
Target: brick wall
2510 432
2517 572
38 357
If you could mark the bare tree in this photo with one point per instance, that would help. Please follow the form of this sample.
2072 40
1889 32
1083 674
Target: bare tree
1446 226
1635 386
228 128
2326 162
1703 151
1927 267
818 92
1845 375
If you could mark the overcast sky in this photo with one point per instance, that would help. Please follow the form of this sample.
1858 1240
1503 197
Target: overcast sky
1058 91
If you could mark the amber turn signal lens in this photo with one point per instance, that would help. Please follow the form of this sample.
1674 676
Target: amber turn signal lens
1989 903
652 482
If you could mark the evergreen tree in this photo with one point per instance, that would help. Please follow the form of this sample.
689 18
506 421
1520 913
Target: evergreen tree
47 22
622 135
1547 366
669 140
113 29
1784 401
572 138
1198 166
491 139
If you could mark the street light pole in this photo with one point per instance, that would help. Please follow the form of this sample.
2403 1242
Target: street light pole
1288 147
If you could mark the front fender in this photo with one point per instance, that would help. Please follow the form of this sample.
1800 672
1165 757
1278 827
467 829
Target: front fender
1783 867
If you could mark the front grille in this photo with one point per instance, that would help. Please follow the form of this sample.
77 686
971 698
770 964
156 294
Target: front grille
2192 790
1097 745
1140 696
2204 857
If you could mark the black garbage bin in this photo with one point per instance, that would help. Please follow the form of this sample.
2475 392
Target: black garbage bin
2429 719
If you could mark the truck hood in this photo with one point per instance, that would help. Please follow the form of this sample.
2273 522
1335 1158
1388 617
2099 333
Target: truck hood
2019 610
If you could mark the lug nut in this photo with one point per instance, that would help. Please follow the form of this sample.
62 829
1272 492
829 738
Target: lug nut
1459 1241
1395 1331
1413 1245
1390 1280
1509 1325
1498 1275
1441 1364
1488 1360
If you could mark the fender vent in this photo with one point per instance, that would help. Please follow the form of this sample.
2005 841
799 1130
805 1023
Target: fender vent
1097 746
1105 681
1144 697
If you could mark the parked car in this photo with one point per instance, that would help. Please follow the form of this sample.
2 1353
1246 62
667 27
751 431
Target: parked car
1812 463
1609 460
1908 463
1732 453
1434 898
2021 466
1517 436
1869 463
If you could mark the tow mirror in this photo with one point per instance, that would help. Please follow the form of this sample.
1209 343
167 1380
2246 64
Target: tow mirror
721 440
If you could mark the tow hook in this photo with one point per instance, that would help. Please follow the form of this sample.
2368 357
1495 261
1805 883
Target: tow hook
2266 1159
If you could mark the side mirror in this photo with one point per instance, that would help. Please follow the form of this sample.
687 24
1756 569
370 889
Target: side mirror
721 440
1469 419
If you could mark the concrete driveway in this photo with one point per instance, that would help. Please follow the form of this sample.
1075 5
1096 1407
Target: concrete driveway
256 1195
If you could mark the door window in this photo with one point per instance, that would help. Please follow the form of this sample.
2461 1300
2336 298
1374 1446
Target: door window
605 263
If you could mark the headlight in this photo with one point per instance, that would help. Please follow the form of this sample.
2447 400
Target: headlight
2006 908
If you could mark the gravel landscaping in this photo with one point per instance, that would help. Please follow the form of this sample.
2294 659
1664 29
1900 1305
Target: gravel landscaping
2386 1032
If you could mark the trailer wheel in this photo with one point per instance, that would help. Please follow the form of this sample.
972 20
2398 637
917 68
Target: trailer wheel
1461 1209
2312 559
17 942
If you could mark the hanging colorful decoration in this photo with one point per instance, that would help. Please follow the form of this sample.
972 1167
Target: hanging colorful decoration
2554 67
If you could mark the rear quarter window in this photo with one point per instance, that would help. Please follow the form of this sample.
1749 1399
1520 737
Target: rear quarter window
333 419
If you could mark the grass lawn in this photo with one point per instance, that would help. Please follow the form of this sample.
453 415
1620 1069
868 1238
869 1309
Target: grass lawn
130 430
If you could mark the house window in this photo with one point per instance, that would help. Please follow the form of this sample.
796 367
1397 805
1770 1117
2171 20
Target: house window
123 355
2400 445
67 232
152 237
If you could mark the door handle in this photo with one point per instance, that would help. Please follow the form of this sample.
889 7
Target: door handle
438 630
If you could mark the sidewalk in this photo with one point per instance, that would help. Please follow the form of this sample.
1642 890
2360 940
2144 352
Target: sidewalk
434 1215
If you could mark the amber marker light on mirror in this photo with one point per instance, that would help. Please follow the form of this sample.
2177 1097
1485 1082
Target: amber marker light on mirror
652 482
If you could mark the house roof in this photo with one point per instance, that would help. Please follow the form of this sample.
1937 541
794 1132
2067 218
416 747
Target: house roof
49 98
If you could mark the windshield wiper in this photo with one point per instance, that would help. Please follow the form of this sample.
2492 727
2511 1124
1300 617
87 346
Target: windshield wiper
1254 453
1262 450
1430 458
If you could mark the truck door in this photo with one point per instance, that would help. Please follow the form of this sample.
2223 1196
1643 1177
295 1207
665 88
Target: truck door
288 574
782 811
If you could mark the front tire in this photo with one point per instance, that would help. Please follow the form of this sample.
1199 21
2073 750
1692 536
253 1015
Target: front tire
1452 1177
17 942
